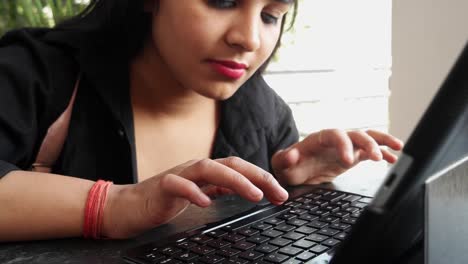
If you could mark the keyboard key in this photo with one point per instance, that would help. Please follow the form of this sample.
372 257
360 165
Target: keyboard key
211 259
316 237
319 249
340 236
219 243
340 226
349 220
359 205
297 211
292 204
352 198
216 233
329 219
317 224
187 256
308 207
297 222
306 230
169 261
333 196
170 251
272 233
340 214
274 221
321 191
247 231
251 255
305 244
366 200
287 216
319 212
351 209
235 261
331 208
285 227
243 245
319 203
294 236
290 251
262 226
258 239
276 258
280 242
330 242
308 217
233 237
152 257
202 250
342 204
328 231
186 244
266 248
356 214
305 256
202 239
292 261
228 252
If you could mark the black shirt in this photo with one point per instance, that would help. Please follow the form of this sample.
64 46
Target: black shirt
38 69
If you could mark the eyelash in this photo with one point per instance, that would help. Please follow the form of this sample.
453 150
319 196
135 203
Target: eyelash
225 4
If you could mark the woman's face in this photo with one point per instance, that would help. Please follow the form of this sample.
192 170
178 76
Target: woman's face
213 46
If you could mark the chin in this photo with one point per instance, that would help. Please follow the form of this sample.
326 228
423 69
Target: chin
219 93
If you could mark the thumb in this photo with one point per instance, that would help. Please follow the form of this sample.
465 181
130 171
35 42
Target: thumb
285 159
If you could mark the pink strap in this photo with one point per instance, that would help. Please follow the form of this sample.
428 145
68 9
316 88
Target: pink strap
53 141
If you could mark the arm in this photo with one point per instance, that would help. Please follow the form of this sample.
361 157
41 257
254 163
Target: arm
41 206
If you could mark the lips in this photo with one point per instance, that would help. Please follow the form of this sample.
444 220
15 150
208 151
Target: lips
229 69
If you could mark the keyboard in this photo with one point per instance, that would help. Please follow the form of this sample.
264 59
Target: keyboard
305 229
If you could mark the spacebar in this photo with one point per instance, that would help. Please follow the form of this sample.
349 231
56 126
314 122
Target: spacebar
253 217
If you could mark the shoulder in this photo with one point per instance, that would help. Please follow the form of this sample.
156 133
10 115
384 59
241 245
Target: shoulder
28 51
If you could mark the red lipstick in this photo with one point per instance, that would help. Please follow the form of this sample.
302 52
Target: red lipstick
229 69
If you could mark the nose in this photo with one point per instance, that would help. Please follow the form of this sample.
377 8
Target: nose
244 33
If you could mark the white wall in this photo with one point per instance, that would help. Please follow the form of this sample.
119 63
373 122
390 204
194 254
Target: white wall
427 36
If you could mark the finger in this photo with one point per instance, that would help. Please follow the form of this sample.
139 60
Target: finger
389 156
331 138
216 191
240 176
177 186
385 139
364 141
261 178
207 171
285 159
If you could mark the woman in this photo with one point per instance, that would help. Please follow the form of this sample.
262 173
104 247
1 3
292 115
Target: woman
170 106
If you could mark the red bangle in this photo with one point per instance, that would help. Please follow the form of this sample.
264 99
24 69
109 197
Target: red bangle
94 209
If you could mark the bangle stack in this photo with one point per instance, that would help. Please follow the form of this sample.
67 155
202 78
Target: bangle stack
94 209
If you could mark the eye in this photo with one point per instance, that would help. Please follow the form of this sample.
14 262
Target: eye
269 19
223 3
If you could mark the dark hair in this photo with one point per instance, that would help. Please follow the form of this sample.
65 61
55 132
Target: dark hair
127 23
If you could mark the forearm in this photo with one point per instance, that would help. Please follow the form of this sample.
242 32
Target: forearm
41 206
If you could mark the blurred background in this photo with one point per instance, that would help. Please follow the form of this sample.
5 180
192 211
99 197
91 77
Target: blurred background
36 13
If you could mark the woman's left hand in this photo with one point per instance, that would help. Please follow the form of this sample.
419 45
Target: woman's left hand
324 155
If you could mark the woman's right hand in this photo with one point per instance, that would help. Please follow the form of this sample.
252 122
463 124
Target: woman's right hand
132 209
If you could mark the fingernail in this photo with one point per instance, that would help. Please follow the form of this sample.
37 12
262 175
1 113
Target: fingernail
255 193
282 194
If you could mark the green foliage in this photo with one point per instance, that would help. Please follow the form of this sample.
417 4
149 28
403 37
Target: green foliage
36 13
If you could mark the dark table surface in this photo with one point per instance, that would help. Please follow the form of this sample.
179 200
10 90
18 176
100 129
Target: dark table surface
363 179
